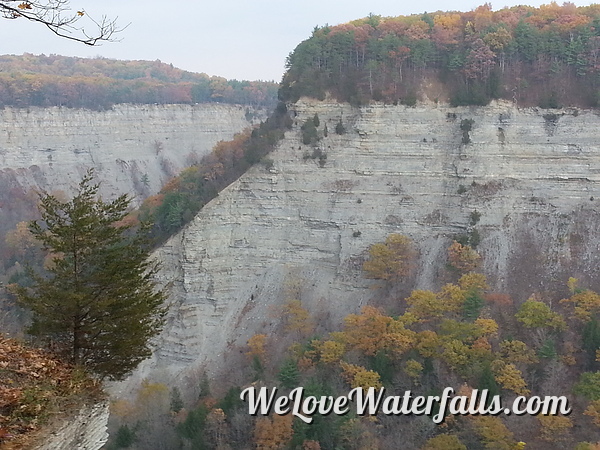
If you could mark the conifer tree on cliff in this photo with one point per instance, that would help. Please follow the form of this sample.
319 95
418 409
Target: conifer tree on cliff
97 304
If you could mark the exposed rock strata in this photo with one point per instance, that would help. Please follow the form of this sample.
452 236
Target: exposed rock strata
85 431
532 174
134 148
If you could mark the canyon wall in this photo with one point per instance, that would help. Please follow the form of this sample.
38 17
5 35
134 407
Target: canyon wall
134 149
532 174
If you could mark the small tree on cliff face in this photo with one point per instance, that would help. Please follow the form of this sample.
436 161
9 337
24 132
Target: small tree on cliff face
98 304
392 260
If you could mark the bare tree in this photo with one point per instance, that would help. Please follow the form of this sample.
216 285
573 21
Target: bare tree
61 19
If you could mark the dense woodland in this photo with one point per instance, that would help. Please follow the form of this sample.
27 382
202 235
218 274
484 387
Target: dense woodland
99 83
545 56
463 335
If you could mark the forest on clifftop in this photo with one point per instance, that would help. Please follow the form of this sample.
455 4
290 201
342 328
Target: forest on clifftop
546 56
99 83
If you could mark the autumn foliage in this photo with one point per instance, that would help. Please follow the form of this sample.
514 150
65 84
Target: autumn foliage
99 83
35 385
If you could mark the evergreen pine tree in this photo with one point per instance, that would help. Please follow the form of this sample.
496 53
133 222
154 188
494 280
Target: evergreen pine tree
98 304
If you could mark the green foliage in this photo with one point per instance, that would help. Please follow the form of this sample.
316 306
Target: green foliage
204 386
231 402
176 402
316 120
547 350
98 303
488 381
588 386
288 374
125 437
474 301
466 125
591 340
383 365
193 427
309 132
474 217
257 367
535 314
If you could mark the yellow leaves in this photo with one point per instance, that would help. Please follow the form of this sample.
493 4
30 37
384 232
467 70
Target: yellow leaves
462 257
494 434
509 377
593 410
372 331
426 305
413 369
572 284
428 343
80 13
358 376
498 39
444 442
456 354
487 327
473 281
392 260
297 318
331 351
586 304
256 346
517 352
554 428
536 314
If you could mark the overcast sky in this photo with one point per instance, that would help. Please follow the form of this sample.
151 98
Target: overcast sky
241 39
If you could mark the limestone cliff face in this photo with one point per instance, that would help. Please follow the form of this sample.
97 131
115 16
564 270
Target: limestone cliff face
87 430
134 148
532 174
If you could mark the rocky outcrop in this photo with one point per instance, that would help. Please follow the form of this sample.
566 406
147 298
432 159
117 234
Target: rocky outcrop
87 430
533 175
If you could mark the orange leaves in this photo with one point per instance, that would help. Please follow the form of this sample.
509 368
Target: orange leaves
34 384
372 331
273 433
24 5
463 257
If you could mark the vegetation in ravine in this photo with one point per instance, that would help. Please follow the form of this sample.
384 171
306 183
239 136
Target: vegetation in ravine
462 335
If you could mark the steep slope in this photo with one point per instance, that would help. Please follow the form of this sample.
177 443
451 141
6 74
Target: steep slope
531 173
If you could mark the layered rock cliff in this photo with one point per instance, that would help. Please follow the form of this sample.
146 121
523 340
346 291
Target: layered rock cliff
134 148
532 174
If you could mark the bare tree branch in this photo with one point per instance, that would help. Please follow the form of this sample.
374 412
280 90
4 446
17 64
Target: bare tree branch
57 15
